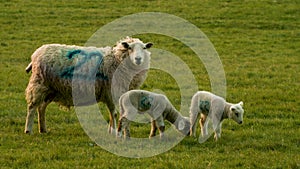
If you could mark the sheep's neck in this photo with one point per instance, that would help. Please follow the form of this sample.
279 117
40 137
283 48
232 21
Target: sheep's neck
171 114
226 111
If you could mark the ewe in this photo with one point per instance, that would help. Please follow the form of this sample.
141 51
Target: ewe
110 72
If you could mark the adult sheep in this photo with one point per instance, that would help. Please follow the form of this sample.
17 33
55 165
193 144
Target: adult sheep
111 71
214 107
159 108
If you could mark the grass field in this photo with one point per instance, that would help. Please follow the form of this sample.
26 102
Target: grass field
258 43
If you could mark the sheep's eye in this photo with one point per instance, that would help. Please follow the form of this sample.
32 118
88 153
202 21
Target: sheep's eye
237 114
145 47
129 48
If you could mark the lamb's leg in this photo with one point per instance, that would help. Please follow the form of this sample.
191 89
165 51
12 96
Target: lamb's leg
218 132
120 128
194 116
126 127
161 131
153 129
41 117
161 126
31 109
204 124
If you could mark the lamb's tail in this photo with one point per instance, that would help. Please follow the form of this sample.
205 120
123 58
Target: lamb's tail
29 67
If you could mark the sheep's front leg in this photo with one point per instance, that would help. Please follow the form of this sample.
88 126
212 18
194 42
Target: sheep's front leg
204 124
153 129
218 132
31 109
161 126
194 117
123 126
120 128
126 129
41 117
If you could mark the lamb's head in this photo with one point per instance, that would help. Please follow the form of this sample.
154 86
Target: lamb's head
137 51
236 112
183 125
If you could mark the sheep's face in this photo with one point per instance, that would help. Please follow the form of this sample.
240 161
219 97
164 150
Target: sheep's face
237 112
138 52
183 125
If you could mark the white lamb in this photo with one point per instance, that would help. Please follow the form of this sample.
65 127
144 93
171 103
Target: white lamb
214 107
60 71
159 108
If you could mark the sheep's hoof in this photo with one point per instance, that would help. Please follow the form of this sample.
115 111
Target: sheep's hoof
43 131
28 132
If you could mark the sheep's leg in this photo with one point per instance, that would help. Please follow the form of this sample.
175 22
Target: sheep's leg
194 117
41 117
161 126
126 127
120 128
31 109
161 131
112 118
204 124
218 132
153 129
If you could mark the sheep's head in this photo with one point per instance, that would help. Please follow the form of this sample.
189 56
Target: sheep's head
237 112
137 51
183 125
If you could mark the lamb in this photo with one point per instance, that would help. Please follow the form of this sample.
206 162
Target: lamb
159 108
60 71
214 107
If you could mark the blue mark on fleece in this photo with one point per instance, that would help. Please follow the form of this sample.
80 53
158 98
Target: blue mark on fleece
145 102
204 106
84 57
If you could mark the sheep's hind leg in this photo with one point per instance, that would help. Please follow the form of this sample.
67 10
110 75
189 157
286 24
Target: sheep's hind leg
112 119
204 124
31 109
41 117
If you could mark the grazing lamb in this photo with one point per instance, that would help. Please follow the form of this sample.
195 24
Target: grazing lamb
216 108
54 68
156 105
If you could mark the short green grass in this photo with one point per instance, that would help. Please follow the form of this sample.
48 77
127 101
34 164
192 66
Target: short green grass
258 43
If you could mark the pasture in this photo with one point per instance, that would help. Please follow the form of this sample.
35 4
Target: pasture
258 43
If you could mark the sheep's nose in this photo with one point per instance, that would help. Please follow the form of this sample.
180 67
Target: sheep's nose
138 60
240 122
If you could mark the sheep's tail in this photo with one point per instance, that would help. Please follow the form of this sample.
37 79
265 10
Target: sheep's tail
29 67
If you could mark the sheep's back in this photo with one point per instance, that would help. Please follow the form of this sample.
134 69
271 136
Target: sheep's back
57 65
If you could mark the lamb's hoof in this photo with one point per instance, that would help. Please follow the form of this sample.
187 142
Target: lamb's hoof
27 132
151 136
43 131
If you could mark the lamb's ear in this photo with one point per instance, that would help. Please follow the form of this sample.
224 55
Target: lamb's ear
125 45
241 103
149 45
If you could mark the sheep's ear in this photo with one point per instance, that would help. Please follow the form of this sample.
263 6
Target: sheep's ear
148 45
241 103
125 45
